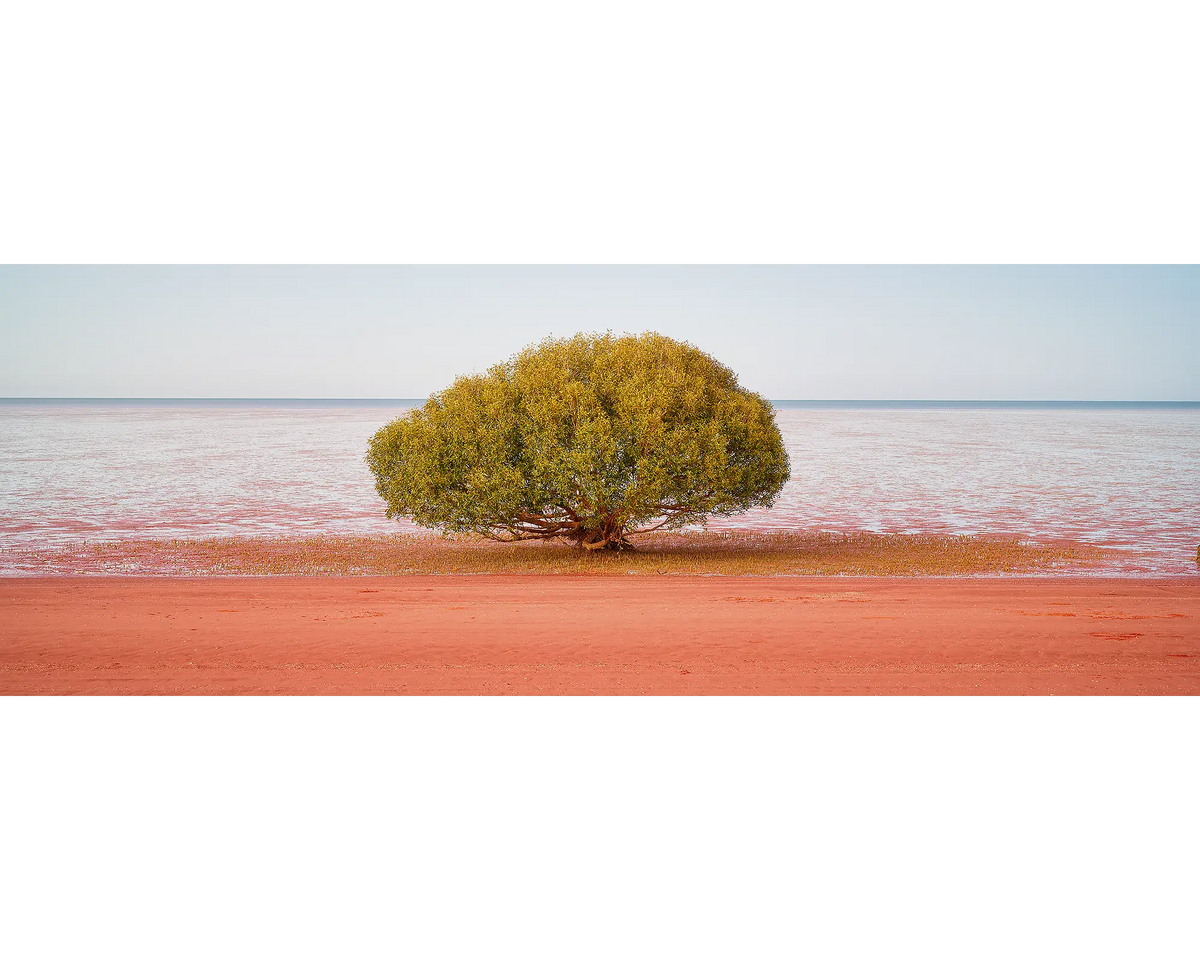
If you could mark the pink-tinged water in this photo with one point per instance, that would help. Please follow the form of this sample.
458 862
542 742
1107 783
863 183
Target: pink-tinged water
1127 478
1121 478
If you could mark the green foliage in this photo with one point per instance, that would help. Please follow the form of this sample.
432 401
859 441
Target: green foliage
591 439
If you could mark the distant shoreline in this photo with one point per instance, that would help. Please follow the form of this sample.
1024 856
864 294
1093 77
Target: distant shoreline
779 404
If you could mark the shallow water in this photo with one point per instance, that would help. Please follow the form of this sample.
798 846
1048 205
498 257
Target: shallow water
1124 477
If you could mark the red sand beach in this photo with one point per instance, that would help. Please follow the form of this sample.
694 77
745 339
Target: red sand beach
598 634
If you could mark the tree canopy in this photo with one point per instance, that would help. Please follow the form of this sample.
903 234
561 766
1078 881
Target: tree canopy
590 439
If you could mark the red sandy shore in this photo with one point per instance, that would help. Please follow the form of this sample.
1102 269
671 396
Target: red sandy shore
598 634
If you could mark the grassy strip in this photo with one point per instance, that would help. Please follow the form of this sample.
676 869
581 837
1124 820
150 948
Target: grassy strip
727 553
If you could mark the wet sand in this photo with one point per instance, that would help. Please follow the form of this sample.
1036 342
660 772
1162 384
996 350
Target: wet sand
598 634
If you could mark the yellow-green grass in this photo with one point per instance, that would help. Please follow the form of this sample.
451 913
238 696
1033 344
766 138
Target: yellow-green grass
724 553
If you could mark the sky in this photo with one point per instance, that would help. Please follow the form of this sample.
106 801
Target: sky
790 333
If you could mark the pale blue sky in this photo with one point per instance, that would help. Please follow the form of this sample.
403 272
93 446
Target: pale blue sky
820 333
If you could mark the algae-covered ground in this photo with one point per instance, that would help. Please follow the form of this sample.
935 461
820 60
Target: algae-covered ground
706 552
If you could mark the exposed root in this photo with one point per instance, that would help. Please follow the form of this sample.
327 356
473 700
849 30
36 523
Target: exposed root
615 543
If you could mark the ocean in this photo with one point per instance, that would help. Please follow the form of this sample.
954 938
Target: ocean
1124 476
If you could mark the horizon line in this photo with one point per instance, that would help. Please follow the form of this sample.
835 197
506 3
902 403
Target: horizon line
895 400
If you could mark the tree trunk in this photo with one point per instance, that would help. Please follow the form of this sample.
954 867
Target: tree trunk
609 537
